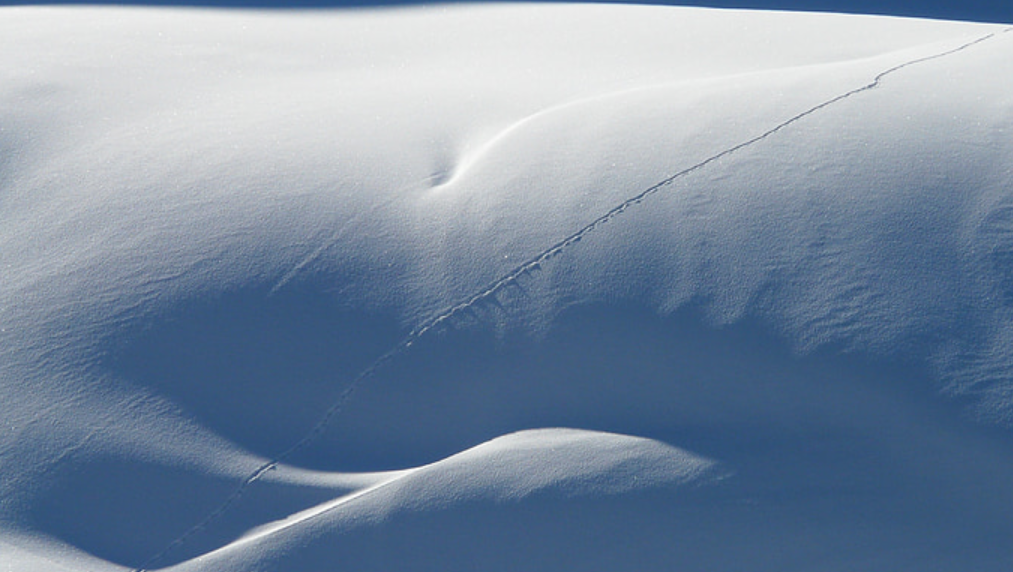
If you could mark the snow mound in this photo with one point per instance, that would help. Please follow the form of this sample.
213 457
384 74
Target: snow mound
475 506
290 291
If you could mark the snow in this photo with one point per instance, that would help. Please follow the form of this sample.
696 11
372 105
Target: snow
504 287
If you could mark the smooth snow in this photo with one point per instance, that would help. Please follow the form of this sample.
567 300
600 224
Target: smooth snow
504 287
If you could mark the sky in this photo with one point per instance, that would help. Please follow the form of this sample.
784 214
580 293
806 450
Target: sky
972 10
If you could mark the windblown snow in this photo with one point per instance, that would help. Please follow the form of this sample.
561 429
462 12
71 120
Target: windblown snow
504 287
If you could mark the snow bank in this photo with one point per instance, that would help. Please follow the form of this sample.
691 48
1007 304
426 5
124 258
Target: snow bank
284 291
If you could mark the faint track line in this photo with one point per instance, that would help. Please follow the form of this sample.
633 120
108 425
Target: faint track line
336 236
512 277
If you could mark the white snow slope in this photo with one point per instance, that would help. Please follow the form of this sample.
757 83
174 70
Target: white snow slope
498 288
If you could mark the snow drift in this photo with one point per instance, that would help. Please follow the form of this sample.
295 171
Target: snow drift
504 288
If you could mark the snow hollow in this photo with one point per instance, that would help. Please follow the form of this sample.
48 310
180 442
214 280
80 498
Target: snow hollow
504 287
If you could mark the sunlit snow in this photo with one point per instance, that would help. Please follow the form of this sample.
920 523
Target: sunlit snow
504 287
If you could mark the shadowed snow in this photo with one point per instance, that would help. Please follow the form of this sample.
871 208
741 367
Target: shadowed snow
289 291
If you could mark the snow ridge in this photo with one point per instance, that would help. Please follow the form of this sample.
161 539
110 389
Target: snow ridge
494 288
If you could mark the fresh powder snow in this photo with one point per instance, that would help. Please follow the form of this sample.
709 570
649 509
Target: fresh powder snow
504 287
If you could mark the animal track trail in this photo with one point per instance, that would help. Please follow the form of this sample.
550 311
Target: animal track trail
530 265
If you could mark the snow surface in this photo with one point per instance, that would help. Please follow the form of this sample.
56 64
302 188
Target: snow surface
504 288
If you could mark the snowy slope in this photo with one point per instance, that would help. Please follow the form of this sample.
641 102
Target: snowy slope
504 288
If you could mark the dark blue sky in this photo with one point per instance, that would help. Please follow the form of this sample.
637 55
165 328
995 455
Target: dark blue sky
977 10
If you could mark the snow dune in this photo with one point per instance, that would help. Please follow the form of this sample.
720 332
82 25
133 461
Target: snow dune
504 287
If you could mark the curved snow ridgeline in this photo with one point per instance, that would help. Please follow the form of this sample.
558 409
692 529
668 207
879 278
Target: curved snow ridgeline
504 288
